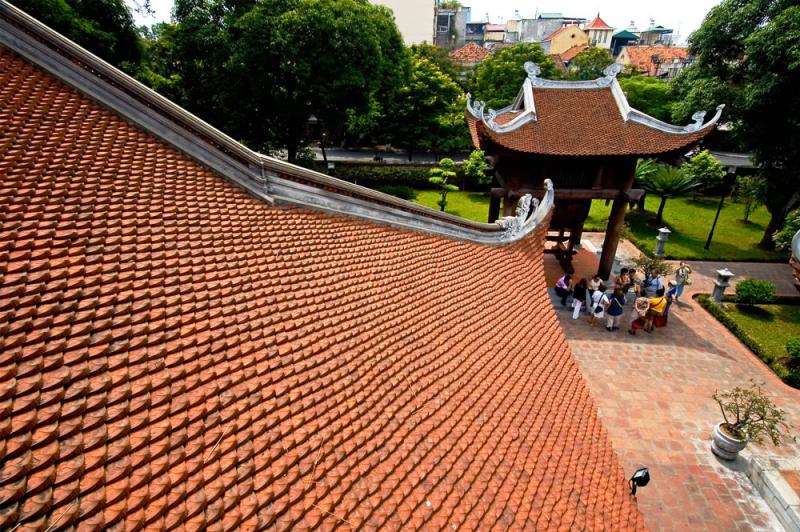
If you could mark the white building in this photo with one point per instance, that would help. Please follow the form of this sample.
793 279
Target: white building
416 19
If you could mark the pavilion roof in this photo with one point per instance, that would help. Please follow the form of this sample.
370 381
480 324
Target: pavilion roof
198 336
579 118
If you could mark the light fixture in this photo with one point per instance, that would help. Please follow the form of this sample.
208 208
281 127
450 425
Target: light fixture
640 478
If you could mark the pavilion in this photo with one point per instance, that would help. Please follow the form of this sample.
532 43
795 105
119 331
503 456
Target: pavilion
586 138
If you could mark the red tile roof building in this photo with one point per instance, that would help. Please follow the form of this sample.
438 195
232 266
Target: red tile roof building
196 336
652 60
598 24
469 54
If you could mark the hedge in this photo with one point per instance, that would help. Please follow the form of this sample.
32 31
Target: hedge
719 313
377 175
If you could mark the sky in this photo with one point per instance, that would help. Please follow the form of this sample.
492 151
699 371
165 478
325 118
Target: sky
683 16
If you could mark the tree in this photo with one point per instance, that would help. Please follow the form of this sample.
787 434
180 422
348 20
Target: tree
667 182
440 176
259 70
747 56
644 169
749 190
427 110
589 64
704 169
438 56
498 79
475 168
649 95
104 27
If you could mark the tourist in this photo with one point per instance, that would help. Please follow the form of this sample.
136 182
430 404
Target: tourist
616 307
682 279
635 283
671 296
640 308
657 306
563 288
579 295
623 280
599 304
654 283
594 284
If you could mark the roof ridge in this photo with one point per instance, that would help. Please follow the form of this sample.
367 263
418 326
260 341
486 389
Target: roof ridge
266 178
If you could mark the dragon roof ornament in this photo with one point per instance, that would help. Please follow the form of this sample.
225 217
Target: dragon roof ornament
529 212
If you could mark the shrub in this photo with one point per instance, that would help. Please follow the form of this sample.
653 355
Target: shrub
475 168
751 415
376 175
783 238
793 350
650 265
754 292
440 176
400 191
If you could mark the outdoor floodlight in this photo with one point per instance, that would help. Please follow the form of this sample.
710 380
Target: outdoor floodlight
640 478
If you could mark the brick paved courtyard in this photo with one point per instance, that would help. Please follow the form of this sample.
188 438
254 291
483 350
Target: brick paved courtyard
654 396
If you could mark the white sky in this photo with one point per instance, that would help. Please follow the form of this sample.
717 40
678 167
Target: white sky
683 16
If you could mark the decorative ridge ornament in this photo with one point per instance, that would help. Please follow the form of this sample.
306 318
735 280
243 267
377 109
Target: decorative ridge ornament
698 118
475 109
529 212
533 71
610 72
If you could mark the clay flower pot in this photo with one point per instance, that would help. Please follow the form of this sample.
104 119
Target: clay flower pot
725 445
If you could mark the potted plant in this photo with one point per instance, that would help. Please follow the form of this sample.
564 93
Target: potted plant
748 415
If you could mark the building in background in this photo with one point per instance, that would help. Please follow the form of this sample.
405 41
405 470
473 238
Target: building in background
451 26
495 33
621 39
655 35
599 33
416 19
563 39
468 57
659 60
536 29
475 32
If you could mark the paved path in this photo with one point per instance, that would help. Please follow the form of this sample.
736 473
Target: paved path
654 397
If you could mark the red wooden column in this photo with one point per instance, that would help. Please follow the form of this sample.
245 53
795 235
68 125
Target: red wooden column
616 221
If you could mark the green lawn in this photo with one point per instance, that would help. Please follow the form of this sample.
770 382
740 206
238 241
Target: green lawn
470 205
690 220
770 326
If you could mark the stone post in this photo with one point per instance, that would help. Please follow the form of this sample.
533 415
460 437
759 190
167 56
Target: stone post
663 236
722 282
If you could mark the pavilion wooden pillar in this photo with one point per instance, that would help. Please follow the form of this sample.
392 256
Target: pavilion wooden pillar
616 221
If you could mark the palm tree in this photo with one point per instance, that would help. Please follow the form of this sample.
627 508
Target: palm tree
667 182
644 168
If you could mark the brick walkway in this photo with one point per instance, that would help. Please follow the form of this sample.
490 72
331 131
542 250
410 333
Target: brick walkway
654 397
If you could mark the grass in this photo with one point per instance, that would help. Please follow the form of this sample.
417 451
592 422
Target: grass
471 205
690 220
765 329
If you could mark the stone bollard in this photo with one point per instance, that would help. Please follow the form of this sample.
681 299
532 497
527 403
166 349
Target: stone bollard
663 236
722 282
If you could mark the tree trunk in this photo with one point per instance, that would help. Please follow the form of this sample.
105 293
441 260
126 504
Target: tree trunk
640 204
775 224
291 153
410 155
660 214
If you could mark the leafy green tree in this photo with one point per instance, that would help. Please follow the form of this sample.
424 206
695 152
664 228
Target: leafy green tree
104 27
498 79
475 168
427 110
667 182
650 95
589 64
440 176
259 70
439 56
704 169
747 56
644 169
750 191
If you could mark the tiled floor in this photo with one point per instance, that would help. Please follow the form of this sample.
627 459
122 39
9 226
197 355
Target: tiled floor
654 397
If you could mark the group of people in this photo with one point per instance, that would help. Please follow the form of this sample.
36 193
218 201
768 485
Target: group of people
651 304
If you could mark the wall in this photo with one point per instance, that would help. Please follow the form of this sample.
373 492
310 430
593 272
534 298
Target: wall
415 18
572 36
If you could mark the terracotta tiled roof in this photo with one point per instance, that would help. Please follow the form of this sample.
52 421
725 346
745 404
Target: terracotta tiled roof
598 24
642 56
570 54
178 353
470 53
581 122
